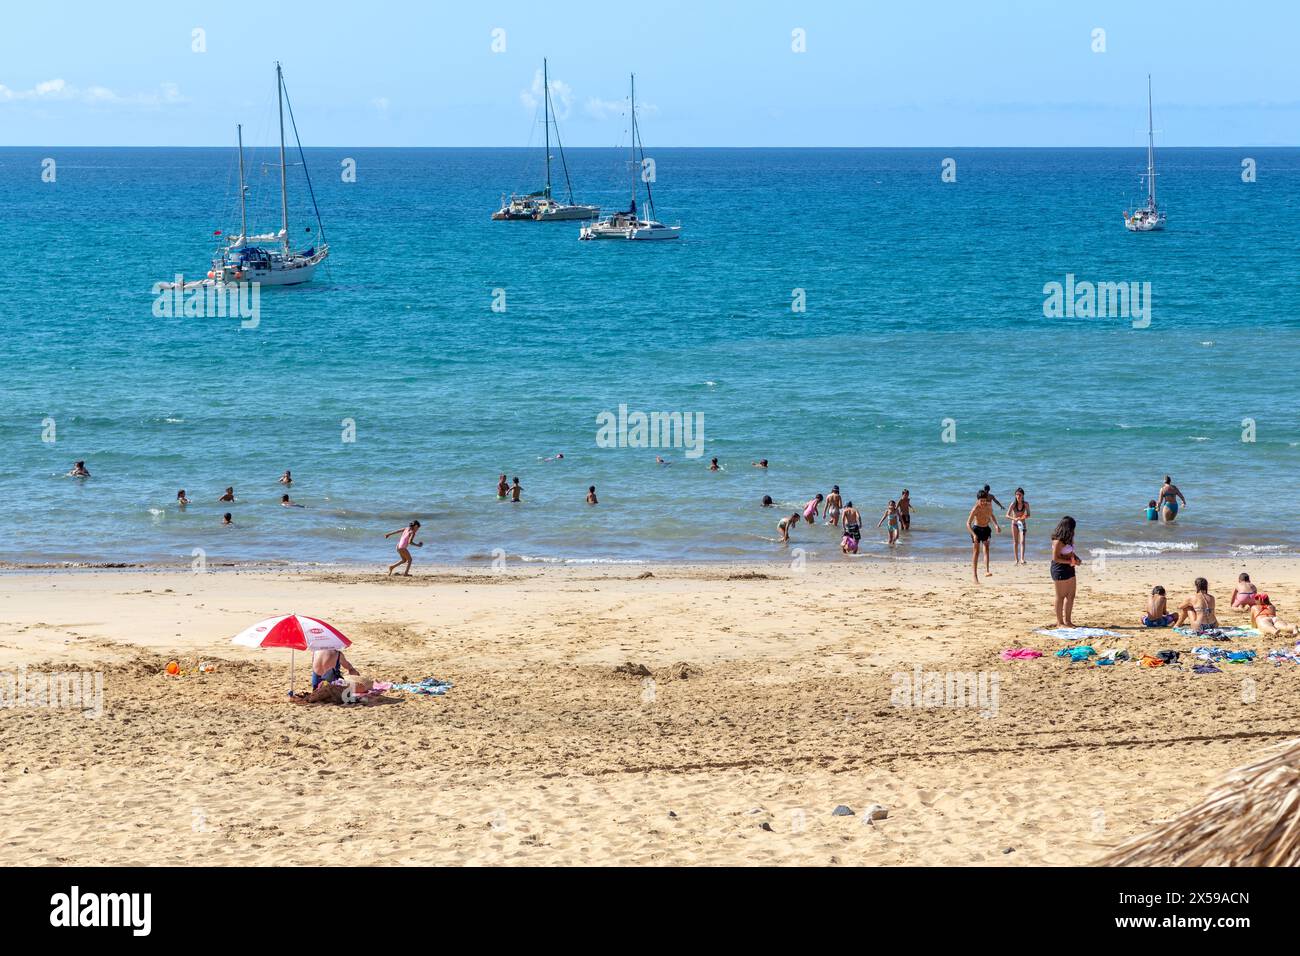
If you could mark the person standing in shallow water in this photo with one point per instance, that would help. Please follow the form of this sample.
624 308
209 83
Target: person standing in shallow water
503 487
905 510
1169 498
1018 515
1064 561
977 523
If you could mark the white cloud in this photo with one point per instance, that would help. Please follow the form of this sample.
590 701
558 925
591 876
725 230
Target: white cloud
561 96
380 103
600 109
60 90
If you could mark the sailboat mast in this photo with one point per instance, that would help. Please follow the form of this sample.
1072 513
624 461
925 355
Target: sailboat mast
284 186
546 112
632 145
243 191
1151 151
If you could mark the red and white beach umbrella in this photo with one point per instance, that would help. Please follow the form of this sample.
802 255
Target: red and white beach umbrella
297 632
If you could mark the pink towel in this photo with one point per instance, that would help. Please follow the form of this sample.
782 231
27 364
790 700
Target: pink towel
1020 654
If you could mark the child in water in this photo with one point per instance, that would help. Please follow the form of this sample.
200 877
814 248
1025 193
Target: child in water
181 500
1245 593
516 490
1153 514
503 487
228 496
591 496
227 518
852 529
810 510
79 470
1157 614
891 516
784 526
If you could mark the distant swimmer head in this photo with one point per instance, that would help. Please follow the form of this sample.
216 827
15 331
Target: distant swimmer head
180 494
592 489
226 518
284 499
767 501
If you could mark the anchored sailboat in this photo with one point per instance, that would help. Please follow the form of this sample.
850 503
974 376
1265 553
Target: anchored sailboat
1148 218
541 206
269 259
627 224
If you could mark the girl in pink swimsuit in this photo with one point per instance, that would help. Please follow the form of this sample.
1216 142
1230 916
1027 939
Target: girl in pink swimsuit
811 508
403 545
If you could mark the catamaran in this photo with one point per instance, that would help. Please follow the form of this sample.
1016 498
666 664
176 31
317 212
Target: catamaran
541 206
628 224
1148 218
269 259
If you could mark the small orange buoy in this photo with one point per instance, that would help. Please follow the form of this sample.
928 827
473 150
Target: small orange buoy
173 668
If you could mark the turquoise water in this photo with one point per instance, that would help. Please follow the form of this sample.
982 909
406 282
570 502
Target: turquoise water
924 303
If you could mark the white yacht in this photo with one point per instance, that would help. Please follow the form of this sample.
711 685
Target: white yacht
268 259
541 206
630 224
1148 218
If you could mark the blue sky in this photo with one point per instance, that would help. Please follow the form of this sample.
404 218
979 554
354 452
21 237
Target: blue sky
709 72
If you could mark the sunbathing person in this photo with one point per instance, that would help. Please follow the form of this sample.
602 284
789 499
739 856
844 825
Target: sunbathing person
1198 610
1157 614
1263 616
328 666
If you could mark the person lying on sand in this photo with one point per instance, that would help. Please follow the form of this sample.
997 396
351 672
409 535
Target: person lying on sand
328 666
1198 610
1157 614
1263 617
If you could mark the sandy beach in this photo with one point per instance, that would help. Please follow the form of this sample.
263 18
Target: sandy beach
767 706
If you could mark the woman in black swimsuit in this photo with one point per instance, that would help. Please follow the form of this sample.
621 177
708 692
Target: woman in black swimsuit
1064 561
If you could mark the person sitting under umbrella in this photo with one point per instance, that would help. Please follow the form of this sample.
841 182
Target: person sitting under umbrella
328 665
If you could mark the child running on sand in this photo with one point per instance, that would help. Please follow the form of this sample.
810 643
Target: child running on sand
977 523
810 509
784 526
1198 610
890 515
1244 594
403 545
1157 614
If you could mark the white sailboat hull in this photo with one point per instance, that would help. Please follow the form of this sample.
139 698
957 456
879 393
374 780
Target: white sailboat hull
639 231
561 213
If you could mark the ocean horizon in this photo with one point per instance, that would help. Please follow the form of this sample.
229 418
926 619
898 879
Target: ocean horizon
437 349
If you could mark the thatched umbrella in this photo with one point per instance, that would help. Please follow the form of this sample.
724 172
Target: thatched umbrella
1251 819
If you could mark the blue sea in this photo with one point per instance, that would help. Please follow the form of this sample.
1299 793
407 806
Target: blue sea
924 320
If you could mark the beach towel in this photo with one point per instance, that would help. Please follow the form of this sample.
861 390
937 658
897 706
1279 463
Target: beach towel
429 687
1020 654
1209 653
1149 661
1218 633
1280 657
1206 669
1239 657
1076 654
1076 633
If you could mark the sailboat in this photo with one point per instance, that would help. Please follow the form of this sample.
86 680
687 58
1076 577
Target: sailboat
1148 218
269 259
629 224
541 206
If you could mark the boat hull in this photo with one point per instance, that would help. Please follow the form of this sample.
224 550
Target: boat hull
567 214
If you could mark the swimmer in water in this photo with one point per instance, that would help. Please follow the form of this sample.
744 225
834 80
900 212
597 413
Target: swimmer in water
767 501
1018 515
286 503
992 497
660 460
890 516
761 463
286 479
404 543
810 510
228 496
79 470
591 496
503 487
559 457
1153 512
905 510
833 505
181 500
516 490
784 526
713 465
227 518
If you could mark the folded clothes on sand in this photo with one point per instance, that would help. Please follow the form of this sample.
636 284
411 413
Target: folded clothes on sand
1218 633
1206 669
1163 621
1076 633
1020 654
1076 654
1281 657
429 687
